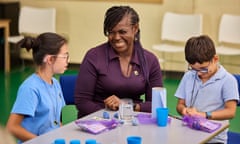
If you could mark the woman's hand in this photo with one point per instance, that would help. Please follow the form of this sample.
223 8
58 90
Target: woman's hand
112 102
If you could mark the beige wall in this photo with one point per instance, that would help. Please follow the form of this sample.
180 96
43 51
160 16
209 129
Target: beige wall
212 10
82 20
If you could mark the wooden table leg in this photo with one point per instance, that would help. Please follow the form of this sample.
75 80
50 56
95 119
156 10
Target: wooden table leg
5 25
7 49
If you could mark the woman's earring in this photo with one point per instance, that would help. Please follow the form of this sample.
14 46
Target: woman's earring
135 38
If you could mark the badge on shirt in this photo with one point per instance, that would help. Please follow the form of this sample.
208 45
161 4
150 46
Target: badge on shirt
136 73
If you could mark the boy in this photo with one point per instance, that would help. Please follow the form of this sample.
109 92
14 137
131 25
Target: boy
206 89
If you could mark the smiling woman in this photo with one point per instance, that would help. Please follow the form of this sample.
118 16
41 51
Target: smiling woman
119 68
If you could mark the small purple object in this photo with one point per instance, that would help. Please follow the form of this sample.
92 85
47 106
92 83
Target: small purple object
97 126
201 123
146 118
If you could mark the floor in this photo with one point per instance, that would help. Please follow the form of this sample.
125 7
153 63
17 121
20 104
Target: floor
10 82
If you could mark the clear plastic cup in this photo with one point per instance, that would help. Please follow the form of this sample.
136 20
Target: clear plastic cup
126 110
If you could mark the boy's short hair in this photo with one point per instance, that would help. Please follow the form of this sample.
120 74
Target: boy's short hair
199 49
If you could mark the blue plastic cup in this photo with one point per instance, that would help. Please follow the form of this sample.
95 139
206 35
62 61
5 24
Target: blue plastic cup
59 141
134 140
75 142
90 141
162 116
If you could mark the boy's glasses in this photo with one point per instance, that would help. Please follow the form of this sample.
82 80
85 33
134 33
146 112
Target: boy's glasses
202 70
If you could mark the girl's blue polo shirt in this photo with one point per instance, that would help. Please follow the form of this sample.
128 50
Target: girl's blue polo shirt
40 103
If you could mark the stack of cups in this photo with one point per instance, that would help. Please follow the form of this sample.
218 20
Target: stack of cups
159 106
162 116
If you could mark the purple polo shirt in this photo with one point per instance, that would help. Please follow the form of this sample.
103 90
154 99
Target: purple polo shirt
100 76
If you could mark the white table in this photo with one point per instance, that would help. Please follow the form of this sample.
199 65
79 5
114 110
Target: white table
174 133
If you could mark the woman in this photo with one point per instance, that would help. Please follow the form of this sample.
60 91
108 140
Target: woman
119 68
39 101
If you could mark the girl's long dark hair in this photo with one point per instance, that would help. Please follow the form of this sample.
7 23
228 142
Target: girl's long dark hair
45 43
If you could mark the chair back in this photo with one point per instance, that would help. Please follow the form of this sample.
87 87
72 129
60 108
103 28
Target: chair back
34 20
229 29
67 83
237 76
180 27
233 137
